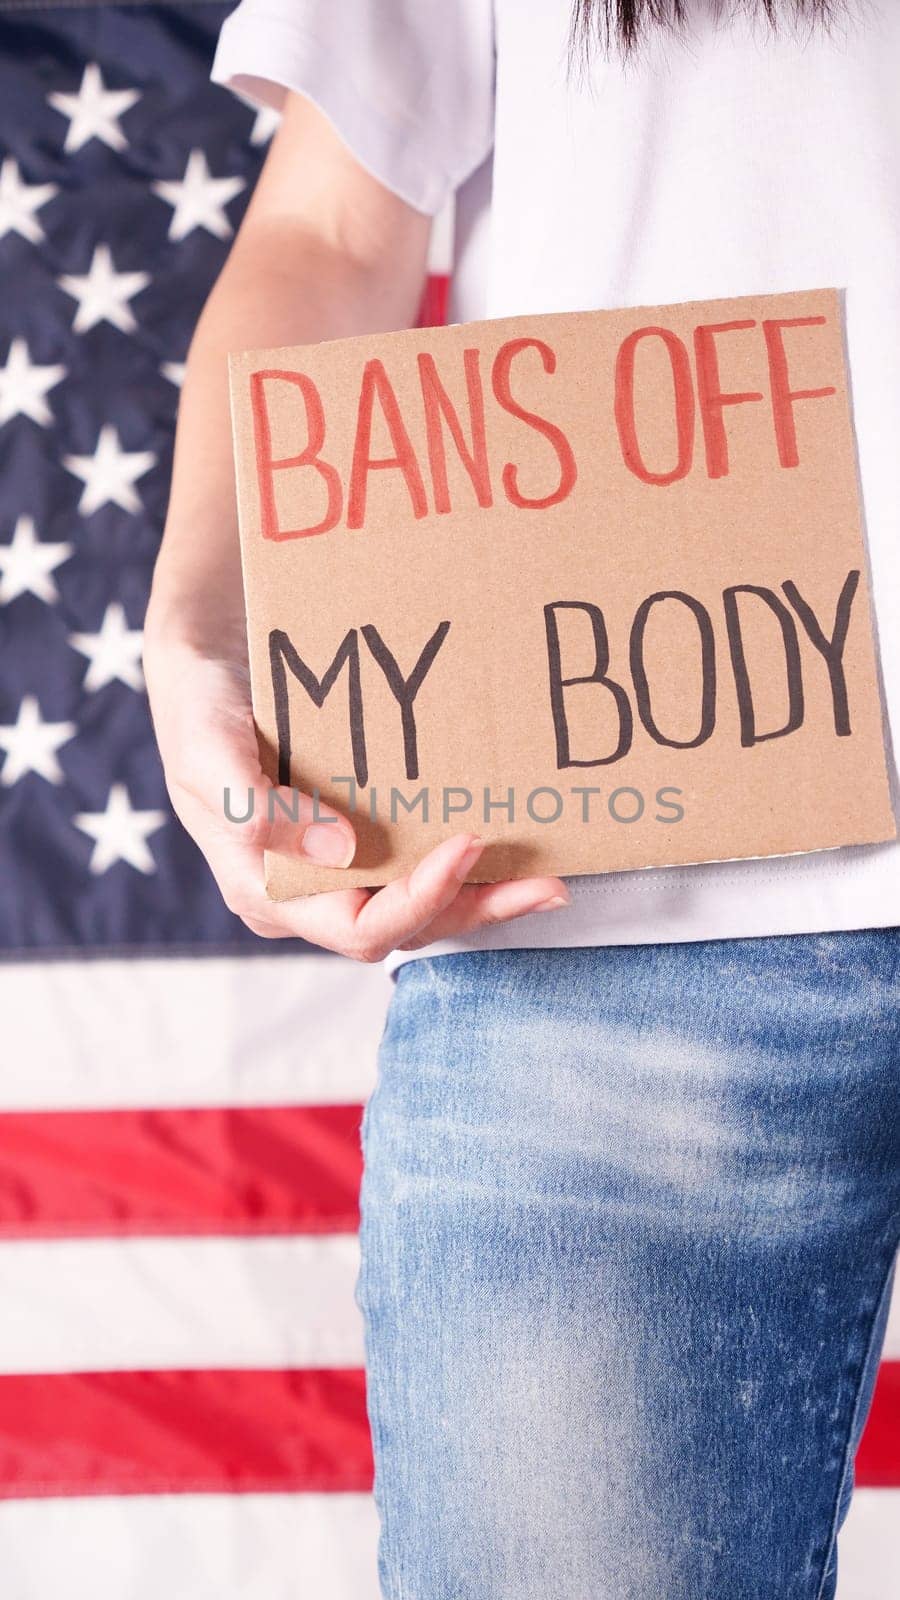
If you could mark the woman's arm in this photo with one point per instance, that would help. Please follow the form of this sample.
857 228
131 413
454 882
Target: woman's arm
324 251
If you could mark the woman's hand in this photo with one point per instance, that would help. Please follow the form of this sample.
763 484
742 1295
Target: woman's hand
205 730
324 251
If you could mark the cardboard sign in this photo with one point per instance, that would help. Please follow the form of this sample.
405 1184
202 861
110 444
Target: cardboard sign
592 586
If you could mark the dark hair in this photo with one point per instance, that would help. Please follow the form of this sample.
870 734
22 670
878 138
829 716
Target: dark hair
622 23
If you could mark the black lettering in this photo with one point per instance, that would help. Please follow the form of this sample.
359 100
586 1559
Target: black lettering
403 689
707 668
282 655
558 684
749 732
831 649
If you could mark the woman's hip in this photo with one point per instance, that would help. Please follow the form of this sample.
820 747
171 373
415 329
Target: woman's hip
628 1219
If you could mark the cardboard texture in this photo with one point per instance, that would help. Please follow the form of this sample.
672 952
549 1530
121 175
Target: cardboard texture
605 568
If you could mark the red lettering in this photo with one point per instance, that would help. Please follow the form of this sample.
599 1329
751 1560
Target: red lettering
684 405
501 386
375 381
439 407
783 396
712 400
266 467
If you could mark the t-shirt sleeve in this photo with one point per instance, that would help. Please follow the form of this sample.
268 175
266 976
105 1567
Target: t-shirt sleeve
408 84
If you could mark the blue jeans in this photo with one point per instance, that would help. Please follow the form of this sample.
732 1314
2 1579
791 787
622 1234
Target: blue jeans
629 1217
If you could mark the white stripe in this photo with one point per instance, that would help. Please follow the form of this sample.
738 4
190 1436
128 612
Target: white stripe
262 1030
92 1305
192 1547
869 1547
286 1547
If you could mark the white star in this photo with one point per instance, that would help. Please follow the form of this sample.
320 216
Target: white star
266 122
19 201
103 293
174 371
94 111
24 384
120 833
31 744
110 473
26 564
114 652
199 199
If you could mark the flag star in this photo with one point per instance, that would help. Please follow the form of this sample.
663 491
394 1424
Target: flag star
114 652
199 200
94 111
266 121
120 834
24 384
26 564
103 293
174 371
109 474
266 124
31 745
19 201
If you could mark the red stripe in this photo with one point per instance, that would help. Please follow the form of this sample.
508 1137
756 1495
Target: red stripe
878 1459
242 1432
271 1169
184 1432
433 310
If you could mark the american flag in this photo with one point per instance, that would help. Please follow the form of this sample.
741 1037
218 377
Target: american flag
182 1394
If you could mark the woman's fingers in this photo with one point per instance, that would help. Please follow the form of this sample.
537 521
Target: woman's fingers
252 815
368 926
403 908
480 905
208 742
469 907
431 903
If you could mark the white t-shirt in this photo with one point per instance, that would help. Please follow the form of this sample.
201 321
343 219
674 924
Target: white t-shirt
731 162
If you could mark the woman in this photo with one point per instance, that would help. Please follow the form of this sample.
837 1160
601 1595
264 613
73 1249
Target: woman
632 1187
